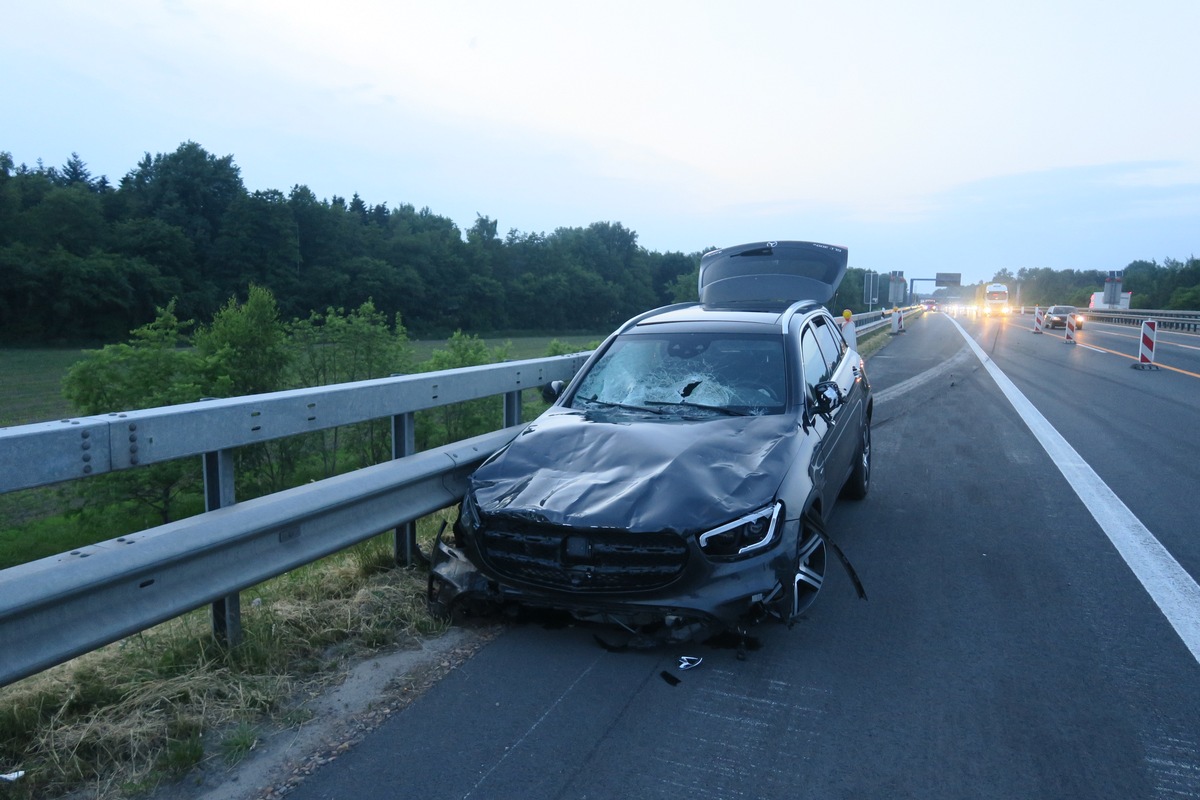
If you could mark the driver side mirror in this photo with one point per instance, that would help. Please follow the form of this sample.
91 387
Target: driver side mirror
553 390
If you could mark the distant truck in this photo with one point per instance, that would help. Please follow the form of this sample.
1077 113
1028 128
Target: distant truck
995 299
1097 301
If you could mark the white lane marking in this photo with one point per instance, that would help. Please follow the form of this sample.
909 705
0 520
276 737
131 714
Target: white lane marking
1173 590
904 387
508 751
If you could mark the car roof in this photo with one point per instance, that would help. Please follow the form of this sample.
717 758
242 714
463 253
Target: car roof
706 315
699 317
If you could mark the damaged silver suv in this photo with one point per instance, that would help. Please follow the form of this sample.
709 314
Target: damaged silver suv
679 485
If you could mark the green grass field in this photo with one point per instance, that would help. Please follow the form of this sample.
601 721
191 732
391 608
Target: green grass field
32 387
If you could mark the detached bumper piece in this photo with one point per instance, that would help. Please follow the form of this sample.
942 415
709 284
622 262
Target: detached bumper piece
453 579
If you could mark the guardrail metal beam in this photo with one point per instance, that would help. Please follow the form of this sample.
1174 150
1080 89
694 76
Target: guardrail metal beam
60 607
51 452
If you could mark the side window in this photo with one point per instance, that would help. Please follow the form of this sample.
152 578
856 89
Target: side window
815 366
831 343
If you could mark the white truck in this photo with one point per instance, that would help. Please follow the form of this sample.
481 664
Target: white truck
995 299
1097 301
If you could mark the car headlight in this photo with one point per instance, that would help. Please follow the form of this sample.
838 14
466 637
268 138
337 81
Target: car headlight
744 535
468 514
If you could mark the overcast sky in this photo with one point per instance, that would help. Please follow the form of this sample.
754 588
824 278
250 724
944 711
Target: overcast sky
926 135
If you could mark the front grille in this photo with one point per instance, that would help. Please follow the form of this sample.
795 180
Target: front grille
582 559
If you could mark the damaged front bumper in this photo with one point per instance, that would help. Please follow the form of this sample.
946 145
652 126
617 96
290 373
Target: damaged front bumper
714 597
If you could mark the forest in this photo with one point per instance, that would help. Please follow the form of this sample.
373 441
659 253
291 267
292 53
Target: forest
84 261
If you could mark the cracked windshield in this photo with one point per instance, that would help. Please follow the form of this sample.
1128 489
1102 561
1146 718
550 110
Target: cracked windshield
734 374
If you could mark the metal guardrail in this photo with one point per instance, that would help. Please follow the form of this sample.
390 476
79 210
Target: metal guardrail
1167 319
51 452
59 607
871 321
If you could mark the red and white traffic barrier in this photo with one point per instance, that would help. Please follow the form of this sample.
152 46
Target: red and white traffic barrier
898 321
1146 347
1070 329
1038 322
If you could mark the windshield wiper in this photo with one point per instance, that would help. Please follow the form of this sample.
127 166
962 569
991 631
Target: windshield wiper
624 406
733 412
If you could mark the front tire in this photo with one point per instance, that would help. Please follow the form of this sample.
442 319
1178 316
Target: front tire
810 571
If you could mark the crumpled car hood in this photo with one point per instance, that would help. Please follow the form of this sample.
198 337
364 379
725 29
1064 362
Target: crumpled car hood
610 470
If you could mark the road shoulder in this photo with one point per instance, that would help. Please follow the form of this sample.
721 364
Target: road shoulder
371 691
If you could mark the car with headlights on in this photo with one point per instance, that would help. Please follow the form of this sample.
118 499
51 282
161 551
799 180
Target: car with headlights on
1057 316
679 485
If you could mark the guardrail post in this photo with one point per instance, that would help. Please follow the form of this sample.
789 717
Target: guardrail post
512 408
404 443
218 493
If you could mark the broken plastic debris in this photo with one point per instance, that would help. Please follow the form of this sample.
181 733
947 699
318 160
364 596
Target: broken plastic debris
687 662
12 776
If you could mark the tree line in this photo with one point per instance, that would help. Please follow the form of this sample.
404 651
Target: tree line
86 261
83 260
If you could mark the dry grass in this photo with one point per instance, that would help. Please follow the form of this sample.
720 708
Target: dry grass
872 342
119 721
